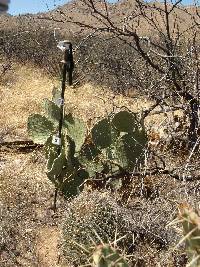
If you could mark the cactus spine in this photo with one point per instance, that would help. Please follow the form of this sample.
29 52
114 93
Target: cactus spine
191 229
107 256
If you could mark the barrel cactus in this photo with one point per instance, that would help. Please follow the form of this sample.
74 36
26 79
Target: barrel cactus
91 213
107 256
191 230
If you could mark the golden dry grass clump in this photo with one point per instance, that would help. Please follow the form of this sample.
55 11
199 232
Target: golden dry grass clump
22 89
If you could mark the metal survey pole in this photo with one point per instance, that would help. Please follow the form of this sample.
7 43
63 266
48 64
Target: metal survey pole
68 66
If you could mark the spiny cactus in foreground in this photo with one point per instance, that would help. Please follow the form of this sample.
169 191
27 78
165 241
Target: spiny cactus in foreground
191 229
92 212
107 256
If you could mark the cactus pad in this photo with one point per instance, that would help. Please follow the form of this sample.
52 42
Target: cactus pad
124 121
89 158
58 169
56 94
52 111
103 134
76 130
39 128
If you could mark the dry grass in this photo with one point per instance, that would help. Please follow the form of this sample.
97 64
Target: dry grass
26 200
24 87
22 90
29 230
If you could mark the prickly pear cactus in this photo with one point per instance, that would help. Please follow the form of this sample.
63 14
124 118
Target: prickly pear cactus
125 121
57 170
116 144
64 170
39 128
76 130
56 95
121 139
89 158
191 230
107 256
52 111
103 134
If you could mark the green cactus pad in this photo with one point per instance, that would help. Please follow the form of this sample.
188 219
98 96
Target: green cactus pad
52 111
106 256
124 121
64 170
134 147
39 128
50 147
56 94
103 134
76 130
89 158
58 169
119 154
73 182
89 151
69 147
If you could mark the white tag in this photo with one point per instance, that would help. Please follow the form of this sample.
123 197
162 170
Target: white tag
59 102
56 140
63 45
